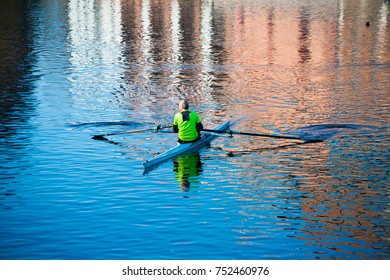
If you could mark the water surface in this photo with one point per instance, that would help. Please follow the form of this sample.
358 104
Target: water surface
74 69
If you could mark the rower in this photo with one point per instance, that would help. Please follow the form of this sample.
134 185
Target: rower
187 124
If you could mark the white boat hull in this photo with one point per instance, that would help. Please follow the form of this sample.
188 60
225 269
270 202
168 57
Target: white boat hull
185 148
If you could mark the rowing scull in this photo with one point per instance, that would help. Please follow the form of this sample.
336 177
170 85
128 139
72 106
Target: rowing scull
186 148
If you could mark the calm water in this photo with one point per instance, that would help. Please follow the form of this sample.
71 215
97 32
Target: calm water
74 69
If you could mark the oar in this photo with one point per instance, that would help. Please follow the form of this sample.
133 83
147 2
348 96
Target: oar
103 136
231 132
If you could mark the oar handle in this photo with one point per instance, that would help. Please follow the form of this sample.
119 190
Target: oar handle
161 126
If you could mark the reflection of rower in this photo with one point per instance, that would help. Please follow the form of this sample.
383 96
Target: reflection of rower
187 169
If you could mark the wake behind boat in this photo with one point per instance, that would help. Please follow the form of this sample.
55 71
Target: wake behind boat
185 148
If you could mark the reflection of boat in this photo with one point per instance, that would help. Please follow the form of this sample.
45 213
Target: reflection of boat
185 148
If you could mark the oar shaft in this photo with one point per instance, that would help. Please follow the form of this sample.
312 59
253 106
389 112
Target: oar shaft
231 132
267 135
126 132
101 136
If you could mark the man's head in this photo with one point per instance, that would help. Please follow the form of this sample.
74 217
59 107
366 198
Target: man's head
183 105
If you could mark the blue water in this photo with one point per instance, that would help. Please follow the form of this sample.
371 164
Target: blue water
74 69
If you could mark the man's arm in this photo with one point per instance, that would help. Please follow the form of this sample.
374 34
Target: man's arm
175 124
199 127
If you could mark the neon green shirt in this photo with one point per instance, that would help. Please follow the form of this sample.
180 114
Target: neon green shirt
186 122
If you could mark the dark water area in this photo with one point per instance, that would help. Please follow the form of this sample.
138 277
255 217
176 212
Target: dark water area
74 69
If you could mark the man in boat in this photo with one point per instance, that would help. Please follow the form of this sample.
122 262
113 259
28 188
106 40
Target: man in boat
187 124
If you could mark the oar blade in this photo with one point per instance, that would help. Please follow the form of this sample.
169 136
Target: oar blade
99 137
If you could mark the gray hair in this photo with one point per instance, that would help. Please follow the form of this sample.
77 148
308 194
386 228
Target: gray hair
184 104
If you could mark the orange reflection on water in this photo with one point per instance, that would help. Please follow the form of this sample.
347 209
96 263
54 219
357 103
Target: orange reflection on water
282 65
